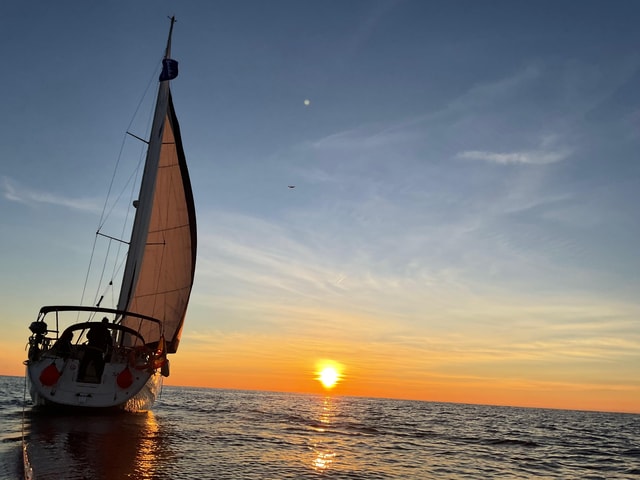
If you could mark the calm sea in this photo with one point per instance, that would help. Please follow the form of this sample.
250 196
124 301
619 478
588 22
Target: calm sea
216 434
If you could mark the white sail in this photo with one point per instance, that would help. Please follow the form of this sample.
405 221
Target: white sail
160 267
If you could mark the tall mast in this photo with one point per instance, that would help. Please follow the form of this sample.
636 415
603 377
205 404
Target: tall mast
167 52
144 207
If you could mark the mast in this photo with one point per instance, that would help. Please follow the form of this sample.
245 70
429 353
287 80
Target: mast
144 205
167 52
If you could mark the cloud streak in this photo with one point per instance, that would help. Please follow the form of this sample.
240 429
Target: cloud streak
14 192
525 157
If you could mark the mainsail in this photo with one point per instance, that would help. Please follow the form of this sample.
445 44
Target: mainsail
160 265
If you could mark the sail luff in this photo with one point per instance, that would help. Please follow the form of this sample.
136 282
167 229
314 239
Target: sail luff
144 205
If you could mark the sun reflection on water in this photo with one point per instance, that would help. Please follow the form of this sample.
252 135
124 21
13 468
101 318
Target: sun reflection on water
323 455
323 460
148 447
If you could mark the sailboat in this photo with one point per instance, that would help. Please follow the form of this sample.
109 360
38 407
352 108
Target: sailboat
96 357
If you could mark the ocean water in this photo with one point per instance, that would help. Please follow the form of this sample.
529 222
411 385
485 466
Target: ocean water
226 434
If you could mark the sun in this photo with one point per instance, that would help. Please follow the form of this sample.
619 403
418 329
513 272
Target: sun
329 374
329 377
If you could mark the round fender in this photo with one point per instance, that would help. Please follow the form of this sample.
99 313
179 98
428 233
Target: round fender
50 375
124 378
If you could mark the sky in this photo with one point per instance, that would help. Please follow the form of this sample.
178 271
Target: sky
464 224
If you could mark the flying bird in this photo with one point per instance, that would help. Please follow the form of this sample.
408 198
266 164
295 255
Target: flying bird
291 186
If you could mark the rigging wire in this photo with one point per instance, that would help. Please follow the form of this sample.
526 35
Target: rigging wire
108 210
144 95
104 266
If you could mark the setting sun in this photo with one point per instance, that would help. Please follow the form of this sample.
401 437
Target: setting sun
328 373
328 377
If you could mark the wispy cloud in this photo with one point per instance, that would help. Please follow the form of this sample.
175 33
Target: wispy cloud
367 137
364 29
534 157
14 192
498 91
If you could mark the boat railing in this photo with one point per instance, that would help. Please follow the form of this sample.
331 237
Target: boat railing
125 343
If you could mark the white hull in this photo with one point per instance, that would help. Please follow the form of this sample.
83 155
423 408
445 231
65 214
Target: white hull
105 393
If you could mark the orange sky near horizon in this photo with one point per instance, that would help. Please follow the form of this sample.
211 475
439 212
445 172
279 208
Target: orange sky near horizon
300 378
263 364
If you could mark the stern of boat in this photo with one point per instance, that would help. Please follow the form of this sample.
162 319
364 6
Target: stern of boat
124 373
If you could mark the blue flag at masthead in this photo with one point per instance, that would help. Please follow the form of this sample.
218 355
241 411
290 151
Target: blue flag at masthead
169 69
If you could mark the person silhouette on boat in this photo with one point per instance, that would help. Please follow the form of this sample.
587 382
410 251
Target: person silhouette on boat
63 346
99 335
97 349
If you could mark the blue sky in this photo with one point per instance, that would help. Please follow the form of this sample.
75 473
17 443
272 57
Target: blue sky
466 179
